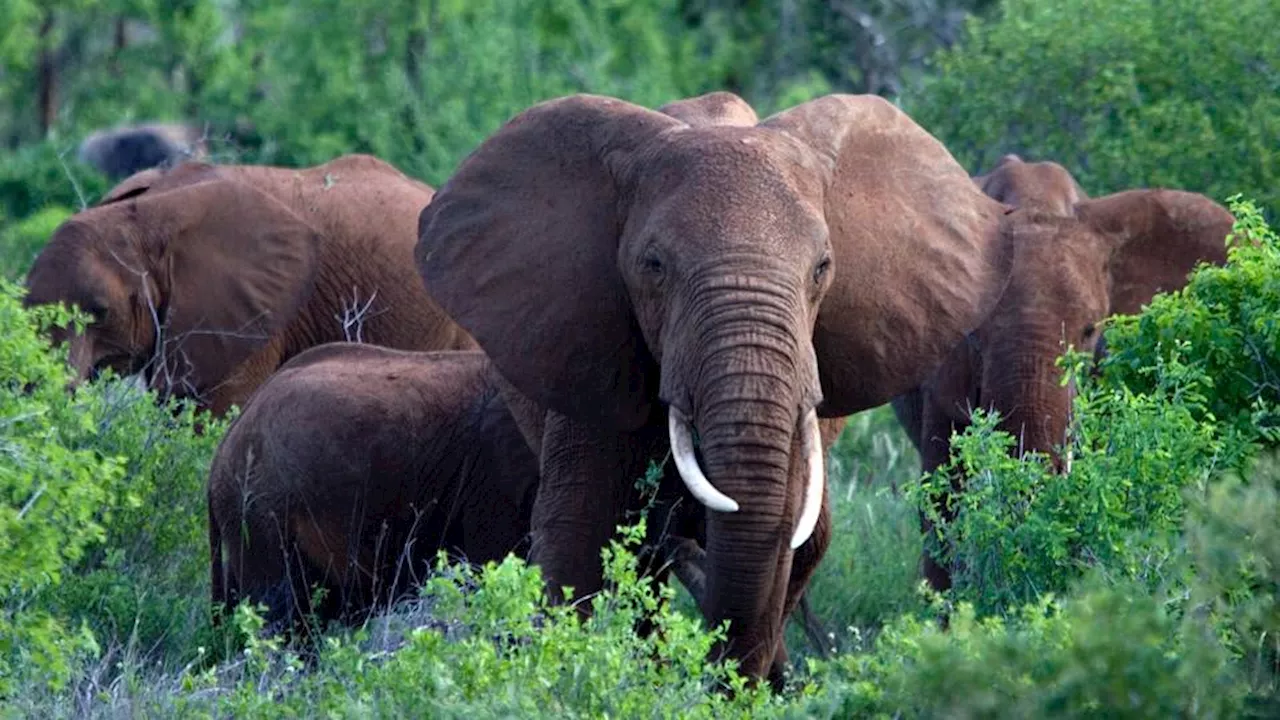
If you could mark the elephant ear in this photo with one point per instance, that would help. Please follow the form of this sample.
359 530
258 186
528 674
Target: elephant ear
520 248
919 259
714 108
157 179
239 266
1158 237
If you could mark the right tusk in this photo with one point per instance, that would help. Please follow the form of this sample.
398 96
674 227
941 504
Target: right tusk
687 465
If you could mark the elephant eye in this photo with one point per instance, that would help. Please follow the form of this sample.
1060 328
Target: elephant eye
821 269
651 263
1089 330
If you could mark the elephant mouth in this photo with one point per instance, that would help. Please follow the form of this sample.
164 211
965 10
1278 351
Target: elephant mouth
682 450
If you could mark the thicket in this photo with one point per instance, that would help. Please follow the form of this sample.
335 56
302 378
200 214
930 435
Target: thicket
1136 93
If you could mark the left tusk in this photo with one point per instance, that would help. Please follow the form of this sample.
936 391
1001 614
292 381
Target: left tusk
811 439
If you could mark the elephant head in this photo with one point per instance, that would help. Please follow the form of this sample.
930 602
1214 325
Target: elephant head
714 108
183 282
627 271
1071 270
1044 186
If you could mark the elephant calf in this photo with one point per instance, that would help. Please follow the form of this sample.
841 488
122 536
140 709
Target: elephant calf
351 467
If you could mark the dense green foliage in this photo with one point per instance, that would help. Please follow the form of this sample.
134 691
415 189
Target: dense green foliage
86 557
1143 584
1136 93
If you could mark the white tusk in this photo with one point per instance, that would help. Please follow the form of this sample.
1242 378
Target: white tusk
135 381
687 464
811 440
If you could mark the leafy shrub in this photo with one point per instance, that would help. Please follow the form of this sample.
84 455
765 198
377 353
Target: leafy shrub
1022 530
102 523
1124 93
145 587
1113 652
490 645
50 495
1226 322
1235 549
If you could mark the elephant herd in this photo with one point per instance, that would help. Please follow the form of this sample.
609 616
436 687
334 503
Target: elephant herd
490 368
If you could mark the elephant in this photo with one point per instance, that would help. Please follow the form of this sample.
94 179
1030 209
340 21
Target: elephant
636 279
351 467
1045 185
121 152
726 108
1076 261
203 279
713 108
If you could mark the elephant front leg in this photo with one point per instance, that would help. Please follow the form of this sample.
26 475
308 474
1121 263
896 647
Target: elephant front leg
935 453
588 477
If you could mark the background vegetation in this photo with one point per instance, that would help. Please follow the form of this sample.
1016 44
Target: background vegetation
1143 585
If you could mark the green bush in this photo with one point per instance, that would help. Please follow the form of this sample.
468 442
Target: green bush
1022 530
50 496
1234 544
1113 652
486 643
1226 322
1124 93
102 526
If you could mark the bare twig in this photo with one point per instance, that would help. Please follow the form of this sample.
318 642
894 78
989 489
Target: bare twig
354 315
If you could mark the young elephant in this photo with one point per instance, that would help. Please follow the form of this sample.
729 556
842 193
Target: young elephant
351 467
204 279
1076 261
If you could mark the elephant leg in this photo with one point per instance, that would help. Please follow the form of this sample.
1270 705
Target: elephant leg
935 453
588 476
529 416
237 387
808 556
813 627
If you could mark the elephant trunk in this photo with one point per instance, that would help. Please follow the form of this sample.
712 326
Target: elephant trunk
1021 380
758 468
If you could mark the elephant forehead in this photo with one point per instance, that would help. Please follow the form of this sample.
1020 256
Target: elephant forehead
741 181
1057 260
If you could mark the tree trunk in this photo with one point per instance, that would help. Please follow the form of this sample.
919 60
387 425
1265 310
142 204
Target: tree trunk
47 76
